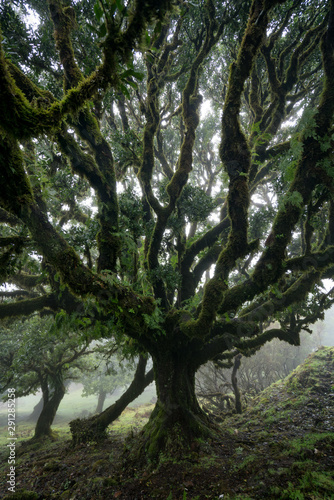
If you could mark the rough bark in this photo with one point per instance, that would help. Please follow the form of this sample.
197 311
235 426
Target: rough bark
48 413
177 420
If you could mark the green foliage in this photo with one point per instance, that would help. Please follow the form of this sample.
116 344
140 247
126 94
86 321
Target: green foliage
131 213
16 35
301 447
155 321
168 274
260 220
308 124
37 349
195 204
295 199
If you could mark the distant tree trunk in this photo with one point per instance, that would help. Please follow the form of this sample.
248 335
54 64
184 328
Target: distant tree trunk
100 401
236 366
33 417
94 428
50 407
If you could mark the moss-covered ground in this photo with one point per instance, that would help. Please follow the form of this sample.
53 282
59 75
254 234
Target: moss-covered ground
282 447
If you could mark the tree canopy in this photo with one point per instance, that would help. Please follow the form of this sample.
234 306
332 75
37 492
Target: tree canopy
166 178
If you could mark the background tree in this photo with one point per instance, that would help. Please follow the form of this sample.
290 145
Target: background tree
33 358
272 362
191 250
105 377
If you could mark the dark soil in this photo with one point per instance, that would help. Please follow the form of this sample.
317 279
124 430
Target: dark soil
280 448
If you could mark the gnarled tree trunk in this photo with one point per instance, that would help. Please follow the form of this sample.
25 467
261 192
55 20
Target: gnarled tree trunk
50 407
177 419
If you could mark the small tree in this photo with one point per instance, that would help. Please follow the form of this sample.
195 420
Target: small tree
34 356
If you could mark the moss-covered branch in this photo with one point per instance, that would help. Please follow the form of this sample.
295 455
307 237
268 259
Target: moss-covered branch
281 83
86 124
18 198
235 155
190 107
26 307
26 281
63 19
23 120
309 172
318 260
101 177
269 268
289 336
296 293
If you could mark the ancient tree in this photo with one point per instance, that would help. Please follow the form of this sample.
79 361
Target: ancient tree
166 179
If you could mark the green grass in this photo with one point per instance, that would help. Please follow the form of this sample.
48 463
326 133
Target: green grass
307 444
132 419
313 484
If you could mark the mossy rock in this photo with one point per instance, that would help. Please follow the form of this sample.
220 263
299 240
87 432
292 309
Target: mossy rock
99 464
52 465
110 481
66 495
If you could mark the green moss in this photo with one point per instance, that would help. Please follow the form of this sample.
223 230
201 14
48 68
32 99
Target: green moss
64 21
171 434
100 464
246 463
15 188
23 495
312 484
305 376
23 120
52 465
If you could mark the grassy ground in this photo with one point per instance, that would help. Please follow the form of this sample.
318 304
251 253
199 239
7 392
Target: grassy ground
280 448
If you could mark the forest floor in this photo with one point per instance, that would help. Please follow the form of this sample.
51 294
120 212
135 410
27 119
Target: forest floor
282 447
